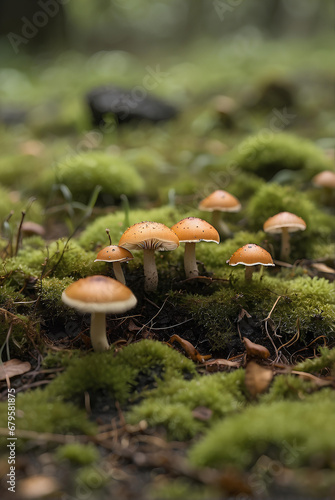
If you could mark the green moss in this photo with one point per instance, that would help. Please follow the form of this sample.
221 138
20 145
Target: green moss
37 411
172 403
60 359
50 298
267 154
82 172
9 203
16 170
288 388
19 328
81 454
292 432
180 489
311 300
315 365
118 373
91 478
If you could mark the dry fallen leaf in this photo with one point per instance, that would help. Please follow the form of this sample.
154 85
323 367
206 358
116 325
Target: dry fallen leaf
256 350
257 378
202 413
220 365
322 268
13 367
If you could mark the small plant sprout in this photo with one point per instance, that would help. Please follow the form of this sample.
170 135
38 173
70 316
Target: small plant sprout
217 202
149 237
250 255
116 255
284 223
191 231
99 295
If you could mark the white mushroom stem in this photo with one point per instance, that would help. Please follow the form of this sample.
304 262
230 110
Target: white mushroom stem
285 244
98 332
219 224
190 263
118 273
150 270
249 270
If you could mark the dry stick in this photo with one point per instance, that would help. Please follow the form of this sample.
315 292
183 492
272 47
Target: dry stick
18 236
266 324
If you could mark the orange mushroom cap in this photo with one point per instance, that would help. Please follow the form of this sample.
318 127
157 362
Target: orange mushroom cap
114 253
99 294
220 200
193 230
325 179
149 235
282 220
251 255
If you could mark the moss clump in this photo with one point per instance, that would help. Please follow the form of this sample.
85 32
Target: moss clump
288 388
77 453
311 300
16 171
118 373
316 365
50 297
37 411
82 172
172 403
60 259
292 432
272 198
19 328
268 154
179 489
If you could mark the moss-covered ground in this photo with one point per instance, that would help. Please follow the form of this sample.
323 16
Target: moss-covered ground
162 414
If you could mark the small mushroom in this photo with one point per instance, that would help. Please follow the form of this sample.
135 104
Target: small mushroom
191 231
30 228
99 295
284 223
149 237
326 181
116 255
217 202
250 255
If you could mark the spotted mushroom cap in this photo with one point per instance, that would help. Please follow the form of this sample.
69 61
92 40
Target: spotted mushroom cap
114 253
193 230
325 179
220 200
286 220
99 294
149 235
251 255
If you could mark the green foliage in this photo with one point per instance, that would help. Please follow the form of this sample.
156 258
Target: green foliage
80 454
288 388
268 154
50 297
9 203
118 373
171 404
292 432
81 173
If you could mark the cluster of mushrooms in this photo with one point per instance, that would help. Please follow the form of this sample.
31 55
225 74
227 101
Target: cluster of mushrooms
100 294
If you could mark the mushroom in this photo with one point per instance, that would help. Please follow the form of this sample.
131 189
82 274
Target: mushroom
326 181
149 237
116 255
99 295
30 228
217 202
250 255
191 231
284 223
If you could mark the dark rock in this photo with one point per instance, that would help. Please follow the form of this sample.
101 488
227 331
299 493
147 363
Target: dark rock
127 106
12 116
